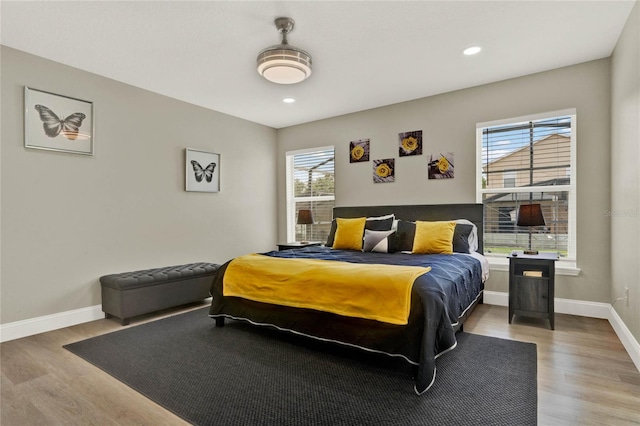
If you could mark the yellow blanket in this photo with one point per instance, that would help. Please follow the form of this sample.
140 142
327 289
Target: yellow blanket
379 292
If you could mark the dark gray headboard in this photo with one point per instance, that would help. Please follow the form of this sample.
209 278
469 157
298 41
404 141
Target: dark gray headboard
472 212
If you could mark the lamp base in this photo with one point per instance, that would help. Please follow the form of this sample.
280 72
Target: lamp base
530 252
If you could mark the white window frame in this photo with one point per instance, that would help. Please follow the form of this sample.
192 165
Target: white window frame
291 198
565 266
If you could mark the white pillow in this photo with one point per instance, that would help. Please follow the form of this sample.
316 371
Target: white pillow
385 217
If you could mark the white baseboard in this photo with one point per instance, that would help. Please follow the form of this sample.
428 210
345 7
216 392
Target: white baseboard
583 309
625 336
496 298
29 327
562 306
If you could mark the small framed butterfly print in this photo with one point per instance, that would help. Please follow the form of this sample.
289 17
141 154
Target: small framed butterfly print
57 123
202 171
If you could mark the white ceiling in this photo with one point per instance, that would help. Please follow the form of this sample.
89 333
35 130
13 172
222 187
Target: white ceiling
366 54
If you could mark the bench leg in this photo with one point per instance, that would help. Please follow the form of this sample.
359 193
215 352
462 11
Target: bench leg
124 321
220 322
107 316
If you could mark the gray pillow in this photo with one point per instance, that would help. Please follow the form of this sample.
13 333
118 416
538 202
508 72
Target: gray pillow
379 241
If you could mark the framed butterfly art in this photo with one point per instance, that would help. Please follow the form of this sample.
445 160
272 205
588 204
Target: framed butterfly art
57 123
202 171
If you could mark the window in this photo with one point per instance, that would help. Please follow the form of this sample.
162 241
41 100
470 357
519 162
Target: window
509 179
310 186
529 160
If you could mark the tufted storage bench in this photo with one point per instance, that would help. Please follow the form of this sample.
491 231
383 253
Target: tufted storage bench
128 294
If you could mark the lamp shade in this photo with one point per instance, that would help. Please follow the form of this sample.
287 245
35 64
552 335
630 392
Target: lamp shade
530 215
305 217
283 63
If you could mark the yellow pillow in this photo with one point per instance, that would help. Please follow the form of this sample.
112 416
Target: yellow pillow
434 237
349 233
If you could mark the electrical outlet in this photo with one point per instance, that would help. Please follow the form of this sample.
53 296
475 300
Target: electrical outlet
626 296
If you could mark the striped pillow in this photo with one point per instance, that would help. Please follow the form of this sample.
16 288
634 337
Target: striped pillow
379 241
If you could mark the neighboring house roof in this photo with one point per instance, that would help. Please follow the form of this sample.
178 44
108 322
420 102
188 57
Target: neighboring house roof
526 147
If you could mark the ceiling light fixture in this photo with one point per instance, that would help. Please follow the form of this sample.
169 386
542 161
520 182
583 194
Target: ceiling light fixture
283 63
288 100
472 50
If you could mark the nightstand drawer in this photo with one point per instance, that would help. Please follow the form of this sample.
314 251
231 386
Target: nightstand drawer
531 294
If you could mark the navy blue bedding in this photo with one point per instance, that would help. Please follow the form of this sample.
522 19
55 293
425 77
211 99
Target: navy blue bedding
439 299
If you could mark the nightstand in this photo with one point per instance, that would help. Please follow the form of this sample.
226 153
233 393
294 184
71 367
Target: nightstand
531 285
298 244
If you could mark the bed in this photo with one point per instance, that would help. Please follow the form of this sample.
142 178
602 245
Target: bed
437 303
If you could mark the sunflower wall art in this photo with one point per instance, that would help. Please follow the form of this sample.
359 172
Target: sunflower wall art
410 143
359 151
384 170
441 166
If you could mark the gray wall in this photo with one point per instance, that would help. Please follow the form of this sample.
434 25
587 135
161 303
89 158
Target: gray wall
448 122
68 219
625 175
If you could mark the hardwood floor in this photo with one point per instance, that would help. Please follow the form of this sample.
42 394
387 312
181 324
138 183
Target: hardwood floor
585 377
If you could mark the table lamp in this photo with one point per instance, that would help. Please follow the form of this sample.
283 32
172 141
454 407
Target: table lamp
305 217
530 215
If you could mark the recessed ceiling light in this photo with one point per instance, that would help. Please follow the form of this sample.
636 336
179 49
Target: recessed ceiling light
472 50
288 100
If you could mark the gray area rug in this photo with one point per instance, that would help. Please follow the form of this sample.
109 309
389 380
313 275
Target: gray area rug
246 375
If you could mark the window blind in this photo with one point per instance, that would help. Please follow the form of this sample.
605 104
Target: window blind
311 182
528 162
